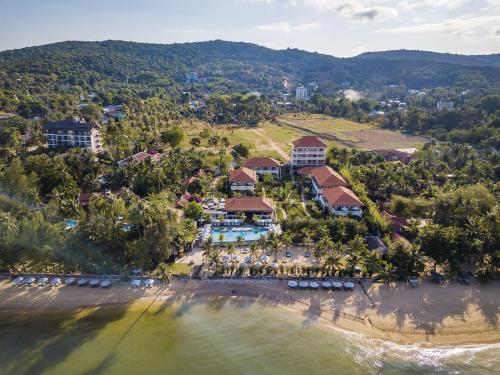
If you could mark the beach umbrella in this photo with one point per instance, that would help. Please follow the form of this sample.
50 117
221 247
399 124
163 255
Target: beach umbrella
227 265
236 258
337 285
225 258
274 266
348 285
258 264
326 284
43 280
264 258
149 283
314 285
136 271
292 284
18 280
69 281
83 282
105 284
55 281
304 284
136 283
29 281
94 283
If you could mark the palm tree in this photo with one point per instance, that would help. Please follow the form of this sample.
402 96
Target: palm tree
215 258
275 247
231 250
207 249
332 261
386 272
221 239
164 272
254 251
287 239
372 262
324 245
240 241
263 243
307 240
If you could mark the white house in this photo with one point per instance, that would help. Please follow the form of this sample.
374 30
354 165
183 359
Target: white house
325 177
301 93
264 165
308 151
243 179
341 201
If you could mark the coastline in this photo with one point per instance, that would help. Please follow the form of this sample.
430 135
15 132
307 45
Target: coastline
428 316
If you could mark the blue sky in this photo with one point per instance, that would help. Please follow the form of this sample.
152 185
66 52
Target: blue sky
335 27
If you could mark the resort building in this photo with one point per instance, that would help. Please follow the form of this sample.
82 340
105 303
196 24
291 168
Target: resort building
72 133
443 105
341 201
243 179
262 165
250 207
308 151
325 177
140 157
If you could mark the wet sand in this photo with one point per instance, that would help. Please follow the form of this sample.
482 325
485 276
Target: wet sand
430 315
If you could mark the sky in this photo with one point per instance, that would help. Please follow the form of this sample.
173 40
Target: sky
335 27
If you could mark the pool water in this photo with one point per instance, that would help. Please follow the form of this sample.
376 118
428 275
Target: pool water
248 233
70 223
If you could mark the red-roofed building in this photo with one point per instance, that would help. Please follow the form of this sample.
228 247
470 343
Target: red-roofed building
140 157
250 206
308 151
325 177
243 179
398 223
342 201
263 164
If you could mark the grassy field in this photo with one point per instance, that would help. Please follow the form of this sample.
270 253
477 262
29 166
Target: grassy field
181 269
349 133
274 139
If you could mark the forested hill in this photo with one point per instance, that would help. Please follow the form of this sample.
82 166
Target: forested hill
408 55
238 66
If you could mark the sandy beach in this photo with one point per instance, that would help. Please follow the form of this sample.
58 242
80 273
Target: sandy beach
429 315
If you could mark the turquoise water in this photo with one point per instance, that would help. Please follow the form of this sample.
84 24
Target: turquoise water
216 337
249 233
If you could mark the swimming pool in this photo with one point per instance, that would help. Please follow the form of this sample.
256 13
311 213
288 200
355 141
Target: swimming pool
248 233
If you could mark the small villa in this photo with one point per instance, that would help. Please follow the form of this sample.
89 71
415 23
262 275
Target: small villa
243 179
264 165
325 177
140 157
341 201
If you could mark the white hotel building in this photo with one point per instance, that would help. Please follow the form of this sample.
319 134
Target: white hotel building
308 151
72 133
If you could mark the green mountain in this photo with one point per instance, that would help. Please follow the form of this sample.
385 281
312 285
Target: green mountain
229 66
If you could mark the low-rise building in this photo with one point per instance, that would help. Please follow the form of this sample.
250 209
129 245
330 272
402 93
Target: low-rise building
264 165
243 179
308 151
325 177
301 93
250 206
341 201
140 157
70 133
445 105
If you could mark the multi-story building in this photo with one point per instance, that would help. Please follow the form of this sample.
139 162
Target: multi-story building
341 201
264 165
301 93
325 177
72 133
243 179
442 105
308 151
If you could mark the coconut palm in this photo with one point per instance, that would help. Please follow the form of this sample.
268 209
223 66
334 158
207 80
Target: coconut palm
332 261
307 240
323 247
254 251
263 243
240 241
215 259
164 272
207 249
231 250
386 272
275 244
220 238
287 239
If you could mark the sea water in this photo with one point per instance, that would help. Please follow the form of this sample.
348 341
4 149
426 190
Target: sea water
221 336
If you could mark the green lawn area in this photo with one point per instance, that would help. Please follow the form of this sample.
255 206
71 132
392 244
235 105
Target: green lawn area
181 269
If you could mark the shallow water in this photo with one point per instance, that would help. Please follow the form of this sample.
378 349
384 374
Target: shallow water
218 337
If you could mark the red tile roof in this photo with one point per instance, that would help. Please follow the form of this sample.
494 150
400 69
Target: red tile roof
308 141
327 177
249 204
397 222
243 175
261 161
341 195
305 170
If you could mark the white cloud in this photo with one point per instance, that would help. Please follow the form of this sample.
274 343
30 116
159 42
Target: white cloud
184 31
285 27
363 10
463 26
415 4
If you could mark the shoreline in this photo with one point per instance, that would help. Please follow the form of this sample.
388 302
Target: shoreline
428 316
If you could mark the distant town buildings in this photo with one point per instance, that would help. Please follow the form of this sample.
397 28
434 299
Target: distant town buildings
445 105
75 132
192 77
308 151
301 93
